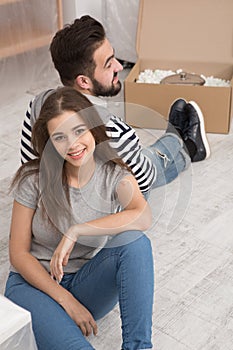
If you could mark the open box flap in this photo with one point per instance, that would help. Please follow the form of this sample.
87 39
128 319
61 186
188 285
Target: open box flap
200 30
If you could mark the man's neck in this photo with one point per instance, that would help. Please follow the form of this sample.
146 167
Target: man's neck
95 100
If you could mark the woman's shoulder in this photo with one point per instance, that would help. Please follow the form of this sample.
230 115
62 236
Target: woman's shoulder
25 186
27 174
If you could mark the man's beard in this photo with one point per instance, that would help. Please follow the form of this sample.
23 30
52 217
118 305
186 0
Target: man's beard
100 90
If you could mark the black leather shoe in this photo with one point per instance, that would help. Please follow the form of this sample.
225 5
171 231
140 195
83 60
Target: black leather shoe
195 134
178 120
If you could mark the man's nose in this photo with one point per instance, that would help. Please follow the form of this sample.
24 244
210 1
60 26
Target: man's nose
118 66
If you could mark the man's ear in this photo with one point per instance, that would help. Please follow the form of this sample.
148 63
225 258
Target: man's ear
83 82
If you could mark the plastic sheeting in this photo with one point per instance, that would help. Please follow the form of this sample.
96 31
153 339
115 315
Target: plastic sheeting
27 27
15 327
120 20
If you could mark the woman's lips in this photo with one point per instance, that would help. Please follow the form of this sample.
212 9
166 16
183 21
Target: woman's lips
76 154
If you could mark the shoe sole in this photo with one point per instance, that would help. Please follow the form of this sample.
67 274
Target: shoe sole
202 127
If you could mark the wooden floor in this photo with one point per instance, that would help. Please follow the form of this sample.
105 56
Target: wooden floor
192 239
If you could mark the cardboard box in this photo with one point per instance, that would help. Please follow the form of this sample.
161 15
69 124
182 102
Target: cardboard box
195 36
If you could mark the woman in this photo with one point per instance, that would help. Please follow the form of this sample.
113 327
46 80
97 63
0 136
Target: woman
76 241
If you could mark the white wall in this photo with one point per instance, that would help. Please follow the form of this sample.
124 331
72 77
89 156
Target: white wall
76 8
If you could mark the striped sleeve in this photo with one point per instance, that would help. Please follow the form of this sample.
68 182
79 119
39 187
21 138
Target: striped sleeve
127 145
26 149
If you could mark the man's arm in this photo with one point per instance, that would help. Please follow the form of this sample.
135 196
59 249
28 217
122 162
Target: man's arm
31 116
26 149
126 142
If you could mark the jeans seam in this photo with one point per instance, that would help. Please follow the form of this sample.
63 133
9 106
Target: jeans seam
123 306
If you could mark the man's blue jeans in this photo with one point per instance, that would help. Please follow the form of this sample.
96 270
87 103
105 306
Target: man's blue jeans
169 157
122 272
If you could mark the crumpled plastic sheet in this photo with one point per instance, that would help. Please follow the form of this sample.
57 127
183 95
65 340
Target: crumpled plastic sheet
19 71
120 20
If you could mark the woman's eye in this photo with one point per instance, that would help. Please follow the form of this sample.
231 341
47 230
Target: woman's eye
80 131
59 138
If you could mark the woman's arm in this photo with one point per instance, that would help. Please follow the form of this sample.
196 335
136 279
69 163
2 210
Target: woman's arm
35 274
136 215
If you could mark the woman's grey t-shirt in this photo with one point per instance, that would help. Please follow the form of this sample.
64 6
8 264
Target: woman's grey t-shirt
95 200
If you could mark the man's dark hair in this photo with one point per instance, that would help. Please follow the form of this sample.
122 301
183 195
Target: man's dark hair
72 48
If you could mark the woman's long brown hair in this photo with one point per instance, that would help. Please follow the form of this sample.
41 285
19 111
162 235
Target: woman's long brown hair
49 165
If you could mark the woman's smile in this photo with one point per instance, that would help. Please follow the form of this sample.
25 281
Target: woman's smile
77 154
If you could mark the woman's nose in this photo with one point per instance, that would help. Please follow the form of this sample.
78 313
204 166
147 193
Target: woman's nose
73 142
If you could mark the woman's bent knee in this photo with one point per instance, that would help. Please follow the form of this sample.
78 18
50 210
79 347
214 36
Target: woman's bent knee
125 238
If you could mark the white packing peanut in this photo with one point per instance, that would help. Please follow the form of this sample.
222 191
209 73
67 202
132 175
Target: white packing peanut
150 76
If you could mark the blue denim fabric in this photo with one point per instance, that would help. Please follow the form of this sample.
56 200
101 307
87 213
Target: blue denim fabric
169 157
122 273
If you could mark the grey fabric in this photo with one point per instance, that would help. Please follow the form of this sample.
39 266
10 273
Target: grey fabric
37 104
93 201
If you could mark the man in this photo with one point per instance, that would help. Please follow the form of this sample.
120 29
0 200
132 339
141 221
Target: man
85 60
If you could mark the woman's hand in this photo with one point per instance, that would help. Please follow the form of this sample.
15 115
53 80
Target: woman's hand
60 258
81 316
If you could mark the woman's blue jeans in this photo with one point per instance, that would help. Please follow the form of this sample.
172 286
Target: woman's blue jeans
121 272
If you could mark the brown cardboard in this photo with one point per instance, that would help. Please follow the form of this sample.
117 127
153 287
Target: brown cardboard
196 36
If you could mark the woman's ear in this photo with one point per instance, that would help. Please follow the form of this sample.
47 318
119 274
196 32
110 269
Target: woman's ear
83 82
